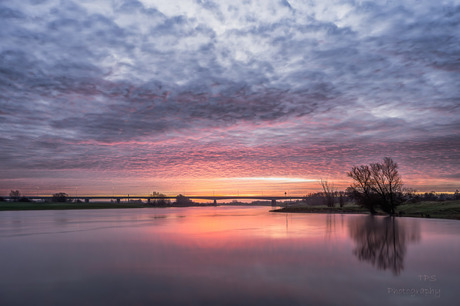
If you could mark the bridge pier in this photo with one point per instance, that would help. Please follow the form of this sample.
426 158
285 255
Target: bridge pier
148 200
215 202
118 200
86 200
273 202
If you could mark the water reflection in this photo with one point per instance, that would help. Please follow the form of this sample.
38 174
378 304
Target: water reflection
382 241
222 256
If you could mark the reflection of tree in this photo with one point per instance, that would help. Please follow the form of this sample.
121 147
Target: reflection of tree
382 241
330 225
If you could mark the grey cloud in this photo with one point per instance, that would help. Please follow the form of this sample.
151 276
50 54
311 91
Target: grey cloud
132 6
139 112
6 12
80 76
454 176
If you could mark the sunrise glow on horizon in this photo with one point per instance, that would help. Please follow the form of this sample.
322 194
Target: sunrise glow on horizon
224 97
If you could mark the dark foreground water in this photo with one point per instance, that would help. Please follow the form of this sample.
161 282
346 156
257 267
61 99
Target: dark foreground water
225 256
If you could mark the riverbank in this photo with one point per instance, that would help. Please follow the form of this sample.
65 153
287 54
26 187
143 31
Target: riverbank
431 209
425 209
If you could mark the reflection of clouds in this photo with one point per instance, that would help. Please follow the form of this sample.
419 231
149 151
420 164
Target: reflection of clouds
382 241
209 257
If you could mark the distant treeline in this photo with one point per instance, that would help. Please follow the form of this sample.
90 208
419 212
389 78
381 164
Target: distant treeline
414 197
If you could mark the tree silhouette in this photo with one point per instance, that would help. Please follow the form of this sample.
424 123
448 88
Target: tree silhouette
328 190
159 200
377 185
15 195
60 197
183 200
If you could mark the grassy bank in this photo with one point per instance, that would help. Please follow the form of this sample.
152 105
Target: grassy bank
431 209
322 209
426 209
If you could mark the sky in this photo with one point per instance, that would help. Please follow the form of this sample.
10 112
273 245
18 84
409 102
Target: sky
226 97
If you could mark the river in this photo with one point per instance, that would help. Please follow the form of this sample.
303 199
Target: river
225 256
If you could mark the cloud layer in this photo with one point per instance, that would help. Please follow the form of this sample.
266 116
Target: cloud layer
194 89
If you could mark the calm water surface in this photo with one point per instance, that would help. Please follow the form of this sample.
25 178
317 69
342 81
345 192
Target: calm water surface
225 256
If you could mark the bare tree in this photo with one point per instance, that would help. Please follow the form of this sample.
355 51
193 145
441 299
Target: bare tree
328 190
377 185
361 189
158 199
60 197
341 198
183 201
15 195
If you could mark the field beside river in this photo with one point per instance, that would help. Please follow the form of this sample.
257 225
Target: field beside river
424 209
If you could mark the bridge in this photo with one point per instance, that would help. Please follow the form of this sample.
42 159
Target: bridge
87 199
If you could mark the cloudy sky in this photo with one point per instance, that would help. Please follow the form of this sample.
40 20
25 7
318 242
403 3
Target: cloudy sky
249 97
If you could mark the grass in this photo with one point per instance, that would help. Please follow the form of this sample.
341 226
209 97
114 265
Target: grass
426 209
350 209
431 209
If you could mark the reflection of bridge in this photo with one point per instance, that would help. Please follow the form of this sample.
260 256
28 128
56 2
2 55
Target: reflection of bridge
150 198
